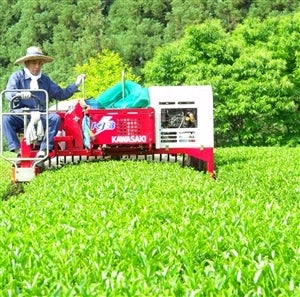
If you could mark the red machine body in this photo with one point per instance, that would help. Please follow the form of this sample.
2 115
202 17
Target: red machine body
110 132
119 132
176 124
116 127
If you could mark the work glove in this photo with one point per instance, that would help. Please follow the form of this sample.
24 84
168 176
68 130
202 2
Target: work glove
25 95
35 117
79 80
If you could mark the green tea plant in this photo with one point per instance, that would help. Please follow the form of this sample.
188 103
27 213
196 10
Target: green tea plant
133 228
5 178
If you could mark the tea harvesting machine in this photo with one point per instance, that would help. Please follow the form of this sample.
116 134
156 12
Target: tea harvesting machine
177 125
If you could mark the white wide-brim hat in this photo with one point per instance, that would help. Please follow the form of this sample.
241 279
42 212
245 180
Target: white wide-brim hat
34 53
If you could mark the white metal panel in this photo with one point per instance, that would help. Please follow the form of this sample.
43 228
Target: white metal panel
179 99
24 174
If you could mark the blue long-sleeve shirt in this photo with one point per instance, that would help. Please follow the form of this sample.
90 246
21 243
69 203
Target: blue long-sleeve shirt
21 80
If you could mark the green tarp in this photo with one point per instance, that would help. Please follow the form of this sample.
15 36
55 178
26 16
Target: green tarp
127 94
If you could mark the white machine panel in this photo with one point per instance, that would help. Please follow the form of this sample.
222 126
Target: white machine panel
183 116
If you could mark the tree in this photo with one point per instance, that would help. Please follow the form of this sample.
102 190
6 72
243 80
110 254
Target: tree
74 30
70 31
103 71
135 28
191 12
253 77
262 9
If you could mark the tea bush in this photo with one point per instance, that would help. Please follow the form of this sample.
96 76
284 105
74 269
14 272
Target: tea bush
133 228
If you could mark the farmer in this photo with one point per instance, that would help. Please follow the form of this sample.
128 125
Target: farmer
31 77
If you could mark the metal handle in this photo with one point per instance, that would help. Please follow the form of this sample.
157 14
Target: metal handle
17 98
83 88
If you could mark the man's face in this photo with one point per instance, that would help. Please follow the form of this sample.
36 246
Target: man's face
34 66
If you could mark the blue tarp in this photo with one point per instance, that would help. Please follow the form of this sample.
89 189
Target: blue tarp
127 94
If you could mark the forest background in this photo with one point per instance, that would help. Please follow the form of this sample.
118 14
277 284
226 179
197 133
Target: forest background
247 50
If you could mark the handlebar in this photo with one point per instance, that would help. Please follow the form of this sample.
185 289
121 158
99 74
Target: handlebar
17 98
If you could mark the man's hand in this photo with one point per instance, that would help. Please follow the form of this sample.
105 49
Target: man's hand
25 95
80 78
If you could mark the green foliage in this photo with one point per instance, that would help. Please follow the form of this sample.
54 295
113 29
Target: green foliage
191 12
104 71
70 31
262 8
253 71
108 230
135 28
5 177
74 31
